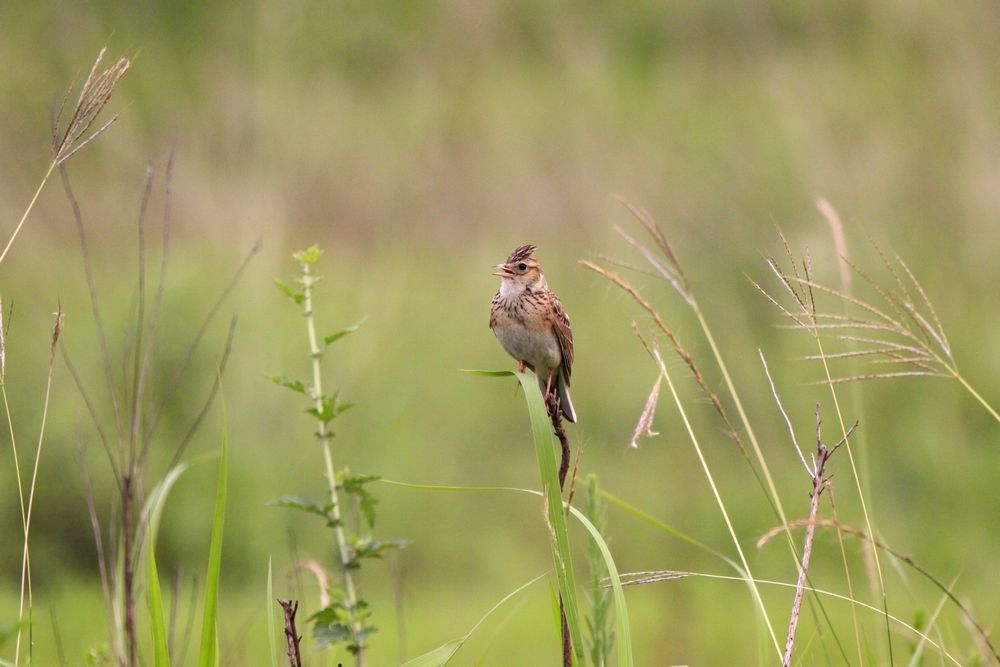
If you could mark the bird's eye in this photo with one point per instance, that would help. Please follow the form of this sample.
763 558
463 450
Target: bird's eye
522 266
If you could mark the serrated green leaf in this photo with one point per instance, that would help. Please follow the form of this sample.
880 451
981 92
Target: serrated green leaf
328 635
329 408
355 485
295 385
326 410
297 297
335 612
371 548
350 482
343 407
301 503
334 337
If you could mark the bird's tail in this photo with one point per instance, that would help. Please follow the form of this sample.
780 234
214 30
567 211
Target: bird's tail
564 401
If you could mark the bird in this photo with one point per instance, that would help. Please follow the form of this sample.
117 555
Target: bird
529 321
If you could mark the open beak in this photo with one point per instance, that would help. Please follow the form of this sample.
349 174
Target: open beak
503 271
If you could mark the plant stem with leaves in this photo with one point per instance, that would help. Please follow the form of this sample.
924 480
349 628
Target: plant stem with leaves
343 618
323 433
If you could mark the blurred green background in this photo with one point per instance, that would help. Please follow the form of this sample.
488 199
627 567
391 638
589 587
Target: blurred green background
418 143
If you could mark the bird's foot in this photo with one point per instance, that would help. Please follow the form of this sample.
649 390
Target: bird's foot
520 368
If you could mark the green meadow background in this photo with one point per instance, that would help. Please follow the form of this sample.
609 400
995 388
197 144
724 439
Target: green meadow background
418 143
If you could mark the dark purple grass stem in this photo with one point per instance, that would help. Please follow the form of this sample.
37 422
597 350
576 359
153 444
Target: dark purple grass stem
555 414
290 608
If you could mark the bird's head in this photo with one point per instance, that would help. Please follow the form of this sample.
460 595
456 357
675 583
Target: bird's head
521 270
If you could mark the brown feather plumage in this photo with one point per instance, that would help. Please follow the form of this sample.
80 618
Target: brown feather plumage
532 326
521 252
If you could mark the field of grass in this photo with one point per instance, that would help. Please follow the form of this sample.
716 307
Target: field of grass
417 144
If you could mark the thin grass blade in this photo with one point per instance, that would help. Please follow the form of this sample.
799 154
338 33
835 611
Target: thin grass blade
621 614
444 653
154 599
563 559
269 611
208 655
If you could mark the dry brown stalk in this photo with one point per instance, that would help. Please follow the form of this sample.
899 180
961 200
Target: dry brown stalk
290 608
846 529
555 415
675 343
819 483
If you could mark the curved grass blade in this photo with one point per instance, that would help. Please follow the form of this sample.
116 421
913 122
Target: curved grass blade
624 642
154 598
444 653
659 576
541 434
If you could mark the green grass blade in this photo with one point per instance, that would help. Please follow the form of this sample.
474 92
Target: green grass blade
622 632
208 655
488 374
161 654
154 596
541 433
667 529
621 614
269 611
444 653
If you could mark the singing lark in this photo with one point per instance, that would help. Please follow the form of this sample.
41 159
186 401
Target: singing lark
530 323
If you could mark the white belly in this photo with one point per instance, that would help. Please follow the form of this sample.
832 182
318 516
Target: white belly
539 349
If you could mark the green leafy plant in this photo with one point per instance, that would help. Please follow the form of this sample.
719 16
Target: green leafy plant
159 628
555 515
346 618
601 636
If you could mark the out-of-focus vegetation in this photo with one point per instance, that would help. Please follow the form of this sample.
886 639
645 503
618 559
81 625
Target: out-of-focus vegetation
418 143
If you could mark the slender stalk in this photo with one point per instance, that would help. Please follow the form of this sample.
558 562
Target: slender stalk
801 585
653 577
26 514
847 577
324 435
819 483
857 482
747 575
555 415
20 495
731 387
27 211
975 394
128 577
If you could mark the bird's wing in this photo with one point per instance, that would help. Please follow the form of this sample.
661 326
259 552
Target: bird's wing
564 334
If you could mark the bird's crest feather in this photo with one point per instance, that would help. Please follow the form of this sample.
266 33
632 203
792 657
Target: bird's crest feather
521 253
